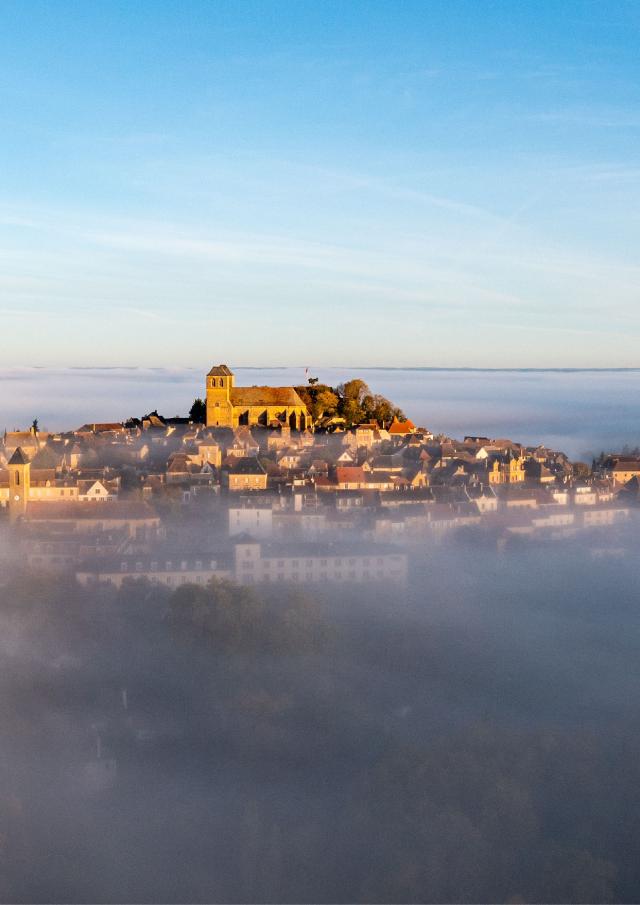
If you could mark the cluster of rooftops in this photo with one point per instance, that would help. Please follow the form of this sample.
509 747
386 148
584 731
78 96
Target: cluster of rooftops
118 483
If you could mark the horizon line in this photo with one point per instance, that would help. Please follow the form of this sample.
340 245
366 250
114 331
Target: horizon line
477 368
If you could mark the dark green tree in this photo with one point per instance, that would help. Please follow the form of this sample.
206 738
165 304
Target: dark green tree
198 411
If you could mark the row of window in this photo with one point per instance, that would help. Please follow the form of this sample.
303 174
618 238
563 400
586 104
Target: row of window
169 566
325 576
297 563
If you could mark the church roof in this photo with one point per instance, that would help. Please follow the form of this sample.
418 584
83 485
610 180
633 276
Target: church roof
220 371
18 457
265 396
45 458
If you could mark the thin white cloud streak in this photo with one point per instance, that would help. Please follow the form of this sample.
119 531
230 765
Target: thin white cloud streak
604 119
280 252
421 270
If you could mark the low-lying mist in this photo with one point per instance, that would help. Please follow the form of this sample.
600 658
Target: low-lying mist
472 737
528 406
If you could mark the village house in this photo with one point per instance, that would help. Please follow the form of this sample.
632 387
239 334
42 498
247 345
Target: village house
244 474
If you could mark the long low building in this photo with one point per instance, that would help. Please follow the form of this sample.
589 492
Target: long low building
158 570
311 563
254 563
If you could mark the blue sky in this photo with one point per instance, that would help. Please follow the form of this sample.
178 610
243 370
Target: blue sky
394 183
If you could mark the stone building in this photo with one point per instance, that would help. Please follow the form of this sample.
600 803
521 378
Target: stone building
231 406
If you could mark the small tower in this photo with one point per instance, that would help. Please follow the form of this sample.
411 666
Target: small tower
220 382
19 483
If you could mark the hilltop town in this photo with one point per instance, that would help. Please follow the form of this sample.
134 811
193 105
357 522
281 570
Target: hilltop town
281 484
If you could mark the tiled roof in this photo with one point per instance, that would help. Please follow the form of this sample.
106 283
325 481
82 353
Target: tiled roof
125 509
248 465
350 474
286 396
45 458
401 427
220 371
102 427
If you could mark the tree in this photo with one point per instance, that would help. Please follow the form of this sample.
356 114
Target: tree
325 403
34 426
354 390
378 408
581 470
198 411
352 400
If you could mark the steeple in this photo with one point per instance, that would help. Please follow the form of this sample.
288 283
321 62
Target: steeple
19 483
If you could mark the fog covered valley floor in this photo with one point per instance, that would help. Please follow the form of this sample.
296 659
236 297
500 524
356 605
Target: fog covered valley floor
473 737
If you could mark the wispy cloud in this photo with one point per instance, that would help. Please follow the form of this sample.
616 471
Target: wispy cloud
590 117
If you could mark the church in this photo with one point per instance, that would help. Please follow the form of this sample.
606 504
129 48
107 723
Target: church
231 406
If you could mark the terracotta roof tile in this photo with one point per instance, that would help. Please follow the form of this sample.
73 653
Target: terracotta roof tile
286 396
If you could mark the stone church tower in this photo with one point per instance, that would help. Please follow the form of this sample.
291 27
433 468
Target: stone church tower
19 484
219 407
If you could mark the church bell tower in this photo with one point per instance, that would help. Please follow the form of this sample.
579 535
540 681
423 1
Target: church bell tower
220 382
19 484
